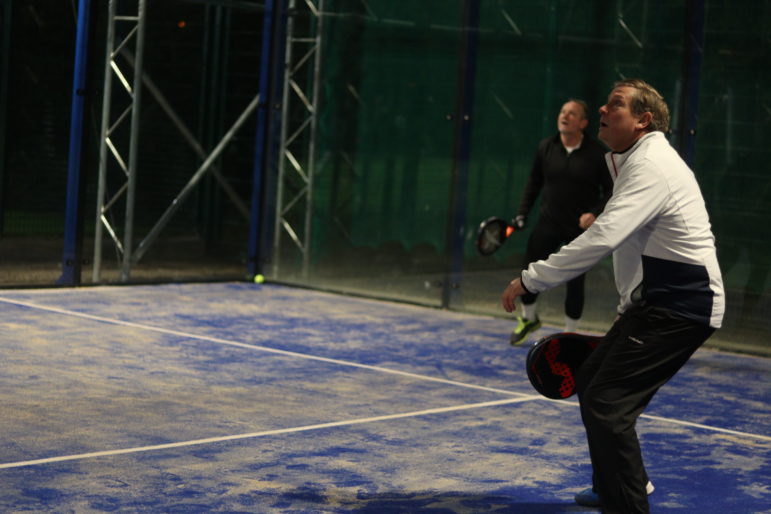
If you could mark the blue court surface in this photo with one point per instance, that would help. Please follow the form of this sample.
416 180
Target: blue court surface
239 397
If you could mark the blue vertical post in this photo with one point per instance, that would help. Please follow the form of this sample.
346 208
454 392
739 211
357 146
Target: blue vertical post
71 259
461 151
692 58
261 141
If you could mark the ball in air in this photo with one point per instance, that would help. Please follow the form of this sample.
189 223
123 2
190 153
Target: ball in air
259 279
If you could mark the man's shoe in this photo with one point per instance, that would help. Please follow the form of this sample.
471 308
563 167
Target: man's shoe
525 327
588 498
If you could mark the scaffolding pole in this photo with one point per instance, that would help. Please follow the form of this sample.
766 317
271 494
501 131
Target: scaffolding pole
111 150
294 203
130 75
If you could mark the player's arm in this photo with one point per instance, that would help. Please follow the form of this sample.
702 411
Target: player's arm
636 201
514 290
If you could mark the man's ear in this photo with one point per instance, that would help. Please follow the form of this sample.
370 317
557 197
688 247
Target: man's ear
645 120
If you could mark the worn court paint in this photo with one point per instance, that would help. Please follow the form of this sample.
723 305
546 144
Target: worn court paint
72 385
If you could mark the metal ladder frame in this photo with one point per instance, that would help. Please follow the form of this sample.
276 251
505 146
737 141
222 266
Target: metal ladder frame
129 255
291 168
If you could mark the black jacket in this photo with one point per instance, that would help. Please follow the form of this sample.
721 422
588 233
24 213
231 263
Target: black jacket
571 184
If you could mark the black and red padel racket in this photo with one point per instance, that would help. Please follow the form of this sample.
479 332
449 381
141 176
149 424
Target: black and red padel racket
553 361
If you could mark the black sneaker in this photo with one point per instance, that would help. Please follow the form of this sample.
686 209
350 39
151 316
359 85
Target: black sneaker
525 327
588 498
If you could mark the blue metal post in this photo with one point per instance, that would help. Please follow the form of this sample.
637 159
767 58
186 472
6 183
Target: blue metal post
261 140
461 151
694 51
71 259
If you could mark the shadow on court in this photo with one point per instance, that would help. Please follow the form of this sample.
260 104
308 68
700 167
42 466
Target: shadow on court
317 500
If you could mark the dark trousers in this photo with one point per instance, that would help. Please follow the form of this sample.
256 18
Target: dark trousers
546 238
644 348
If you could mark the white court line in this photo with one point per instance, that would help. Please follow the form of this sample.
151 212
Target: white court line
257 347
355 364
673 421
707 427
208 440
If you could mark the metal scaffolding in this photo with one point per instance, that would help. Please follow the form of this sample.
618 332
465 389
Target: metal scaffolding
131 24
294 202
115 147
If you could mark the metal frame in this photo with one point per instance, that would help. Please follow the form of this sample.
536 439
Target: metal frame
129 256
136 22
72 253
452 296
692 59
265 146
303 93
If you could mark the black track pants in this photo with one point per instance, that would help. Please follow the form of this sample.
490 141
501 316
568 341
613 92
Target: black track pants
642 351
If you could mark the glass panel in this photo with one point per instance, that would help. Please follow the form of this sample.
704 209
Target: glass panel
532 57
384 151
731 161
385 140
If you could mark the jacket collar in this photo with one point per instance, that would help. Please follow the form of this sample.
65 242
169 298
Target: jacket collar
616 160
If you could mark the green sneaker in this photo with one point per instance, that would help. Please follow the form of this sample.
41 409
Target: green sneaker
525 327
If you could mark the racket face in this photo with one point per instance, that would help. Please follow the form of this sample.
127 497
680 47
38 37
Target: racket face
491 235
552 363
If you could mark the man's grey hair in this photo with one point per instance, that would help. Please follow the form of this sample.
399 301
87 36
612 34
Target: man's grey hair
647 99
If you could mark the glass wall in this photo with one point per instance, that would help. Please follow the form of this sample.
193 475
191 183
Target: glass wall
393 74
732 158
429 113
532 58
384 159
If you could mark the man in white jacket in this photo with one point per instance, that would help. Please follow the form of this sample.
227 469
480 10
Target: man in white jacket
668 279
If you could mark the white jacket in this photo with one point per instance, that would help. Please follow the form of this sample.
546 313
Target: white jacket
657 227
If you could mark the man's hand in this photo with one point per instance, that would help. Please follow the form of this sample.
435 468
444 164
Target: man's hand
586 220
512 291
520 221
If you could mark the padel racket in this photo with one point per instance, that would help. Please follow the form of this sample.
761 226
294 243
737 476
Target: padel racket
492 233
553 361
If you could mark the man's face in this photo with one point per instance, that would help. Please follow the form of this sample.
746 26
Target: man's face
571 119
619 128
